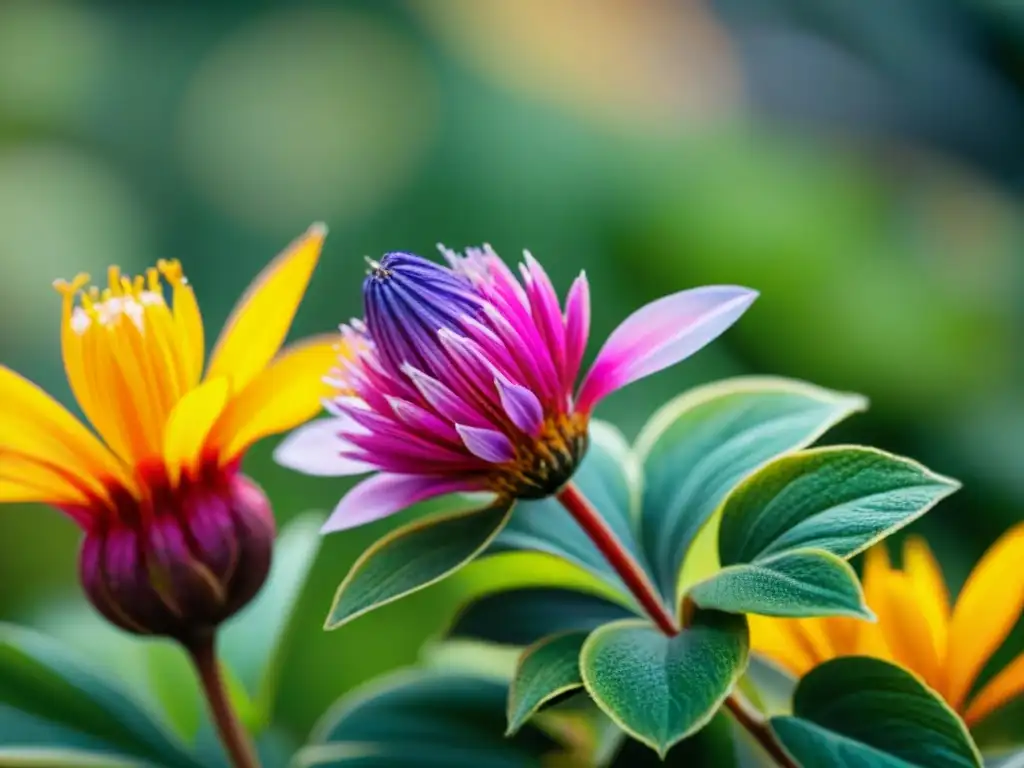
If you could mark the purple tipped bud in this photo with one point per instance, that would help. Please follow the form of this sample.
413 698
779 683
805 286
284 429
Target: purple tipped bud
185 562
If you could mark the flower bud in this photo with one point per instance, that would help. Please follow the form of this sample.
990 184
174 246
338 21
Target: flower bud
183 562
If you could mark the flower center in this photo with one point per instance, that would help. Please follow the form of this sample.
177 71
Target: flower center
544 465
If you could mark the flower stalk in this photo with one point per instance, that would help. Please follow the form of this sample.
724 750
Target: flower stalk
638 583
232 733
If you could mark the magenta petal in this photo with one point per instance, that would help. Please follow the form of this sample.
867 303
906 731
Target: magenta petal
316 449
521 405
577 327
385 494
661 334
486 444
442 399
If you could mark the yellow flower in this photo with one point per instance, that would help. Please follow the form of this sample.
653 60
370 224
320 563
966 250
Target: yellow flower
175 537
945 646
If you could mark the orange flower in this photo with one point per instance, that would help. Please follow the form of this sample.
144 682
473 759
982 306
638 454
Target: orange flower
175 536
945 646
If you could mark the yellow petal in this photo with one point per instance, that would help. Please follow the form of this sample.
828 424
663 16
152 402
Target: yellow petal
190 423
877 572
1001 689
932 597
36 426
261 319
907 633
985 612
776 639
22 480
287 393
188 321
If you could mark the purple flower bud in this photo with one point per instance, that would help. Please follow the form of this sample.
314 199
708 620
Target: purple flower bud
184 563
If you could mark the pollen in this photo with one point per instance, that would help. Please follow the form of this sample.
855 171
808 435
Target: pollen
544 465
123 297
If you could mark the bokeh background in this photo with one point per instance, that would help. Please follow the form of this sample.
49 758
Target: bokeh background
860 163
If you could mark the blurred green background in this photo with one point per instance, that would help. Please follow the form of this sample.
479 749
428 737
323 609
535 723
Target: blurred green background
860 163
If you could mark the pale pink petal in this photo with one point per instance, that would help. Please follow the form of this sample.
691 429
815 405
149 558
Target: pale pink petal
316 449
661 334
521 406
486 444
385 494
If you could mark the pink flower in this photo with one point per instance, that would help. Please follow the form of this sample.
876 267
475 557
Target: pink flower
465 380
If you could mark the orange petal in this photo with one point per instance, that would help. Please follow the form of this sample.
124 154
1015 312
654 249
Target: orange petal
287 393
261 319
37 427
932 597
906 631
777 639
986 611
189 425
1001 689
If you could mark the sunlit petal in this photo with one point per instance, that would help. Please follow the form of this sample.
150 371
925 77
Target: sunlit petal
931 594
35 425
190 423
287 393
261 319
985 612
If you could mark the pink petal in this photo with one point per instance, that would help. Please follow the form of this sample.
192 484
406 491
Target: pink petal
521 406
661 334
316 449
577 328
442 399
486 444
385 494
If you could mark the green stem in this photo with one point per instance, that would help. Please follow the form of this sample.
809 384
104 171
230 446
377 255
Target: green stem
639 584
232 734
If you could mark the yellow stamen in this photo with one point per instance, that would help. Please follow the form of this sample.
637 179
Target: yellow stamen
129 360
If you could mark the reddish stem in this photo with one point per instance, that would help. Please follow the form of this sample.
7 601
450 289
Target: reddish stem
618 557
232 735
754 723
640 586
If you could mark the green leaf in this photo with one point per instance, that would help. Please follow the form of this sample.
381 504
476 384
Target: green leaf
414 557
422 715
804 582
841 499
699 446
40 677
662 689
524 616
48 757
863 711
251 643
836 500
609 477
546 670
173 683
711 747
